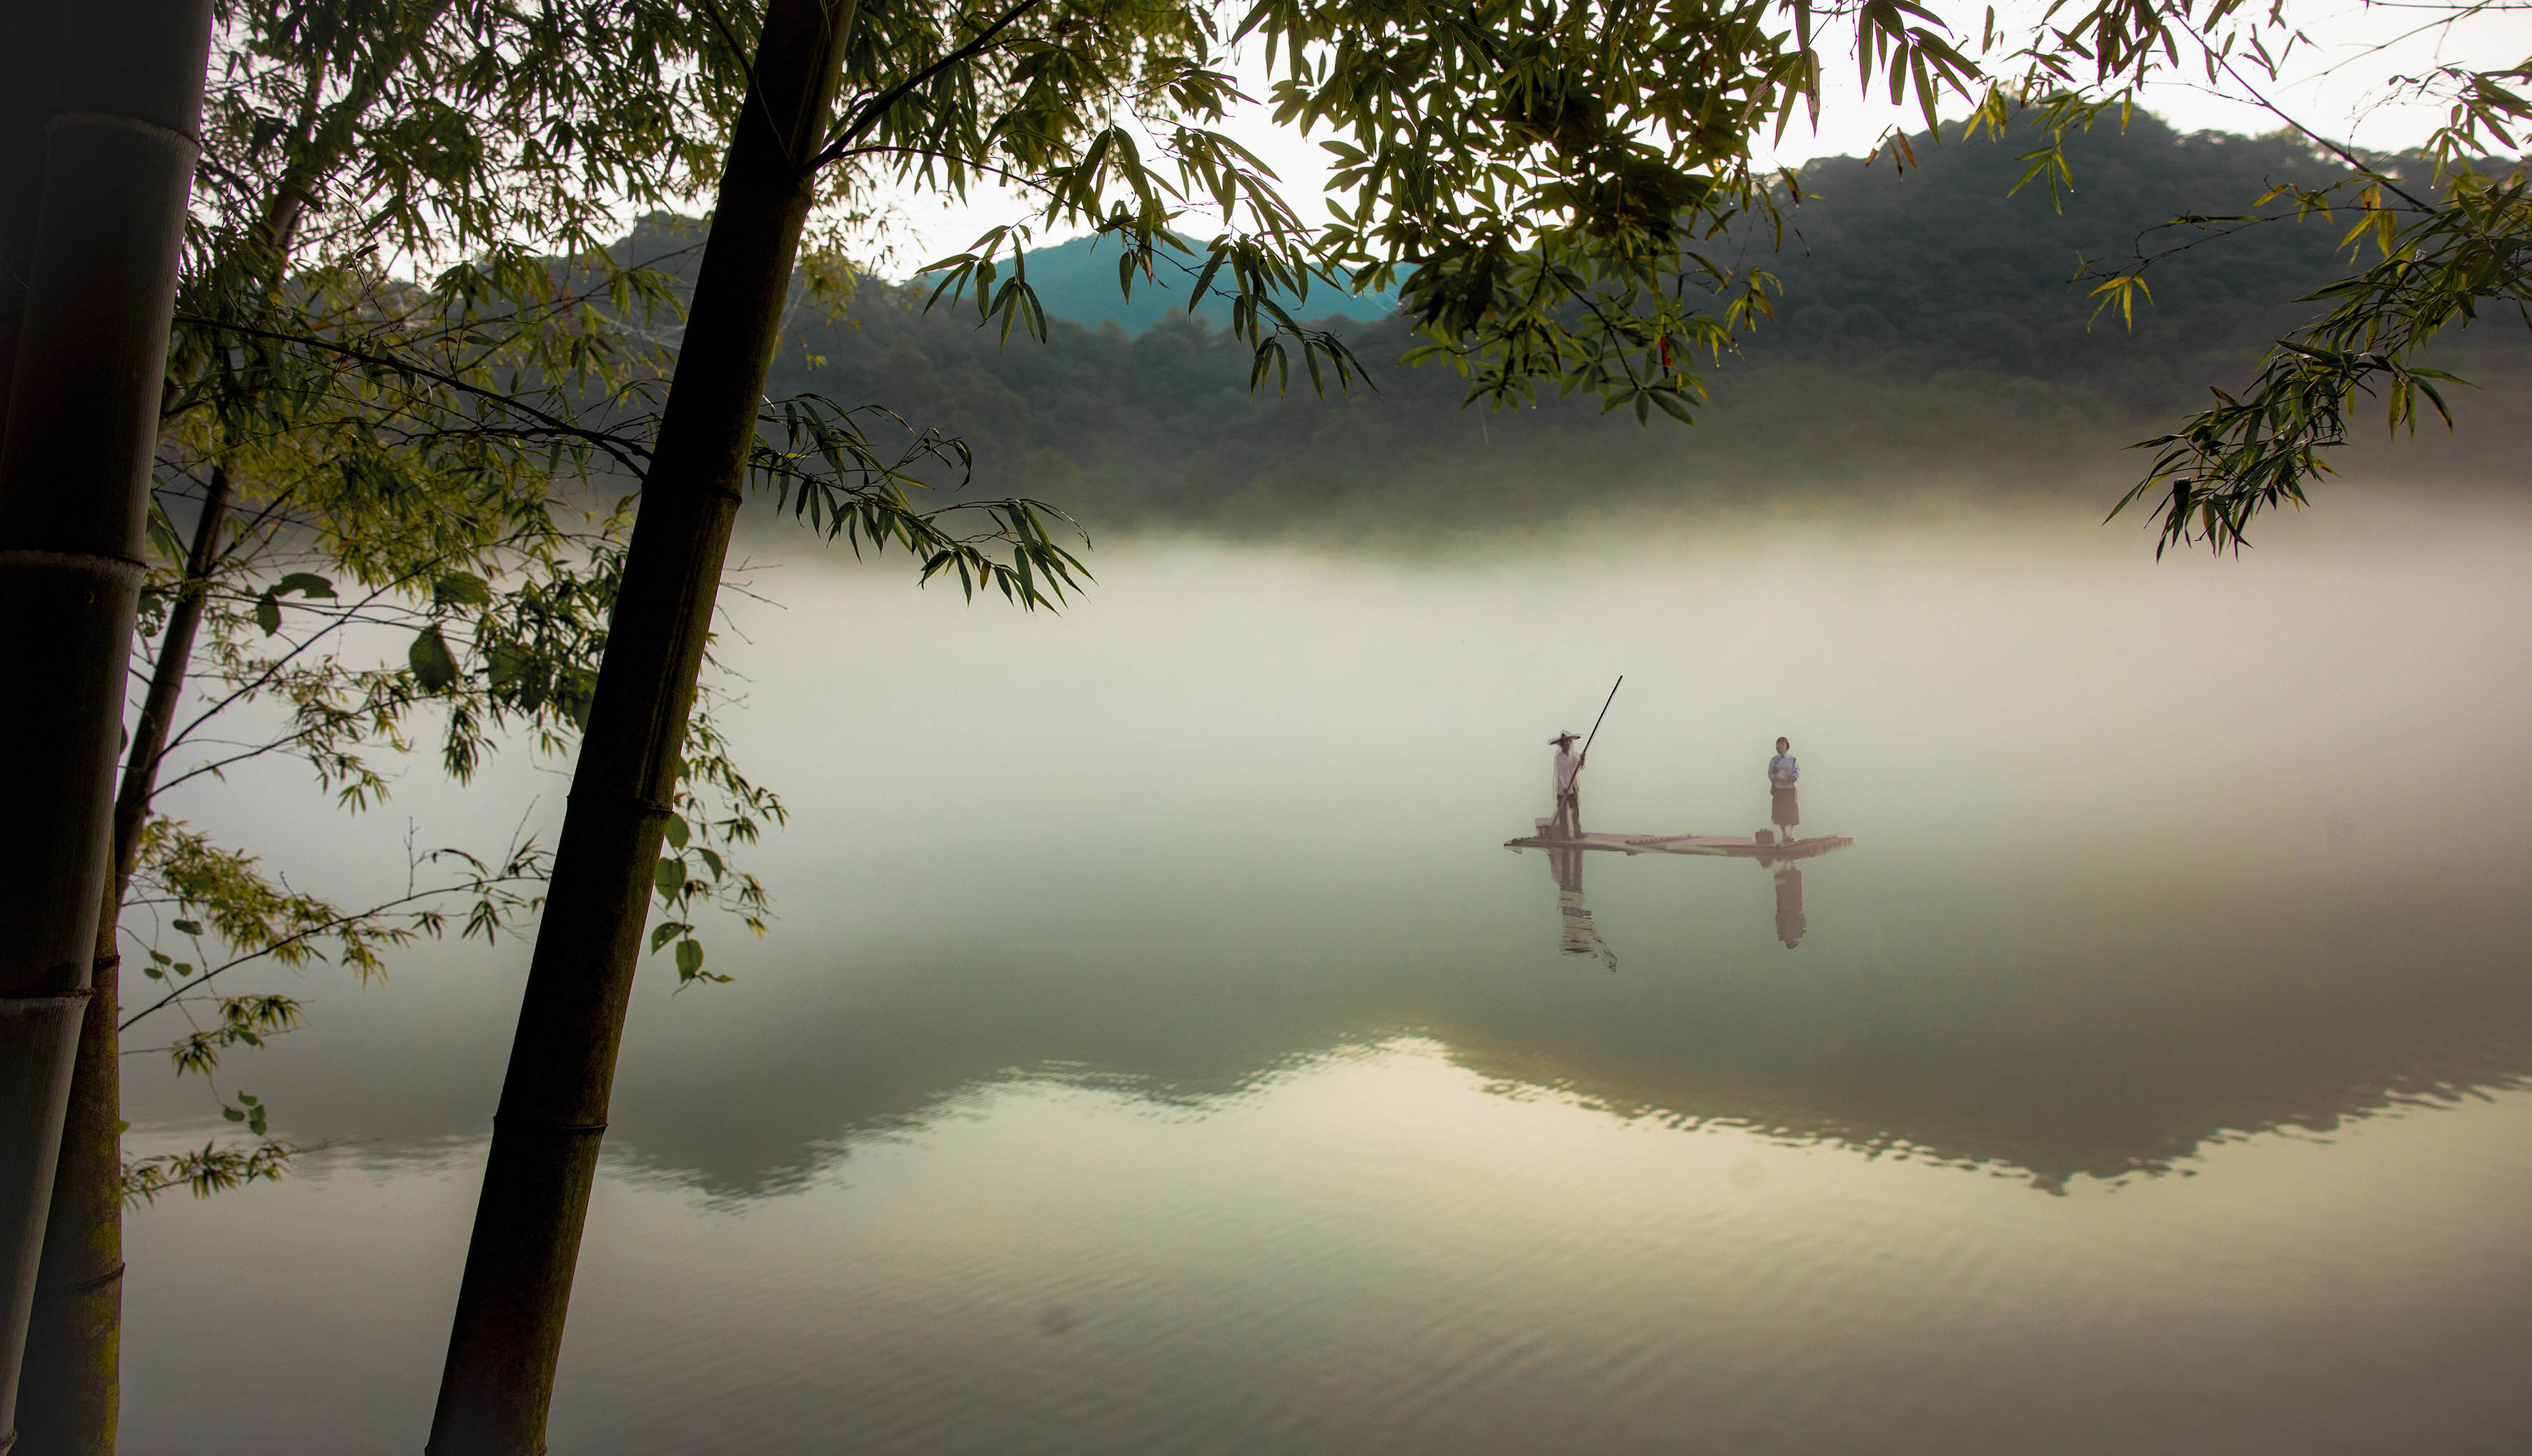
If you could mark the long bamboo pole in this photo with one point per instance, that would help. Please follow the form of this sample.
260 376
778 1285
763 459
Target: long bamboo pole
75 460
507 1334
1604 716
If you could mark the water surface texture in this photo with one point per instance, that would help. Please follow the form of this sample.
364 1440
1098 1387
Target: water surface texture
1158 1051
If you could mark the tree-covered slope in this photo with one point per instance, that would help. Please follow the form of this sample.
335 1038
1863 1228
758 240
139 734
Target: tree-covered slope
1929 332
1945 265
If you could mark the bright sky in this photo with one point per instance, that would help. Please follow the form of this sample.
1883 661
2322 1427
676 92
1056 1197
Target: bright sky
2336 88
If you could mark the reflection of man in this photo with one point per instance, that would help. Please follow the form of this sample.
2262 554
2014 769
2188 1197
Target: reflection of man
1581 936
1789 924
1568 794
1782 807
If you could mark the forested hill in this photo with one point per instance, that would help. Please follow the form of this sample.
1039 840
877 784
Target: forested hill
1928 333
1945 267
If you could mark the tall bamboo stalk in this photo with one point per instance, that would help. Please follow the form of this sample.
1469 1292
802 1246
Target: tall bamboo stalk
70 1396
507 1334
71 1401
27 79
81 424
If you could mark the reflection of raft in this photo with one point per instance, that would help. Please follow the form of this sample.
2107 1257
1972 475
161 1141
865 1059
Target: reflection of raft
1733 846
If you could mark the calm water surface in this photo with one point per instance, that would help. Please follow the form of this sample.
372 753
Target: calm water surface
1159 1052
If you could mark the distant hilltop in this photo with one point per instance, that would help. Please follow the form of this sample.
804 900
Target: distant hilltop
1077 280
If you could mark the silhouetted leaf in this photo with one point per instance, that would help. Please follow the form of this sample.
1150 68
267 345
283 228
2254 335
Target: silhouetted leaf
432 665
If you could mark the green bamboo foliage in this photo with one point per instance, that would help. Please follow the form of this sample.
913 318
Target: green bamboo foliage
2449 248
2447 229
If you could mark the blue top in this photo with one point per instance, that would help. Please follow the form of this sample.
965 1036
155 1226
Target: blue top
1783 772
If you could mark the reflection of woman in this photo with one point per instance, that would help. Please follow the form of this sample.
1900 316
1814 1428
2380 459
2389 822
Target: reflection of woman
1789 924
1782 772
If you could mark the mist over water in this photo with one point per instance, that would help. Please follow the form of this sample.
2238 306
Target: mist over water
1159 1051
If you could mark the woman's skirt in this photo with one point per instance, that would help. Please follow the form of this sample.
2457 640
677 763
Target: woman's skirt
1783 808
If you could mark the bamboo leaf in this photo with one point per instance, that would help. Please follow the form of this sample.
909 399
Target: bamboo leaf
461 589
434 666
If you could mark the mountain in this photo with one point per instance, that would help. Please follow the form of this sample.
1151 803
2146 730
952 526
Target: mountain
1077 280
1929 332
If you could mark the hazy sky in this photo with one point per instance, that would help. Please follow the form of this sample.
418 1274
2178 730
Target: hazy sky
2336 88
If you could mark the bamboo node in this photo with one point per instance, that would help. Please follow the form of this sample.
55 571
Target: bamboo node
31 558
659 809
110 122
572 1127
98 1281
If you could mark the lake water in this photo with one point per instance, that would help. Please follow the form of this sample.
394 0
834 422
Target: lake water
1158 1051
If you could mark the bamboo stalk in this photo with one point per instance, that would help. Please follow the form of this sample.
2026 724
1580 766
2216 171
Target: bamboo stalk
70 1395
75 460
27 81
71 1402
507 1334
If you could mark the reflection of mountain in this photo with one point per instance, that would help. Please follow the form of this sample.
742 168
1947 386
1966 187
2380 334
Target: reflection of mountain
1979 1022
2056 1060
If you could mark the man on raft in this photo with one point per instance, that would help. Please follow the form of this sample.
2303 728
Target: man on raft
1568 823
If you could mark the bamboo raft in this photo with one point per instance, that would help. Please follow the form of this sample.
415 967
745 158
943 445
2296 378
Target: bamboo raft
1731 846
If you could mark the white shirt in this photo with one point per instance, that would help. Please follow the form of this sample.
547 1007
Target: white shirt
1568 765
1783 772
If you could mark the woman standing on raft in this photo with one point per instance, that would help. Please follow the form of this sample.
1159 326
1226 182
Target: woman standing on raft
1783 808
